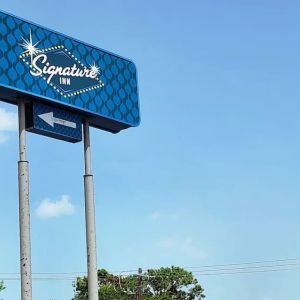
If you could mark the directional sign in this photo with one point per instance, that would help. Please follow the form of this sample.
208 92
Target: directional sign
53 122
38 64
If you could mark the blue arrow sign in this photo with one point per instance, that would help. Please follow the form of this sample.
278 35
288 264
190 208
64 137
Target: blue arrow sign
54 122
51 120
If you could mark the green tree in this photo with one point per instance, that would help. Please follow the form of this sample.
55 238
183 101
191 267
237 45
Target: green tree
2 287
111 287
173 283
157 284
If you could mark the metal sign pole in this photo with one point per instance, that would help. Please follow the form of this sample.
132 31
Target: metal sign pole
24 210
90 217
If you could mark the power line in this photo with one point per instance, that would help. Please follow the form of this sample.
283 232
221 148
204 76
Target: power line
68 273
124 271
59 277
46 273
245 263
247 272
37 278
199 273
247 267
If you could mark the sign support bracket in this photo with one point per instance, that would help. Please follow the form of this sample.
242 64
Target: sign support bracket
24 210
90 217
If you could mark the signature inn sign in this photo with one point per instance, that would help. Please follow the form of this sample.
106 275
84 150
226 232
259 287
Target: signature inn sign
41 65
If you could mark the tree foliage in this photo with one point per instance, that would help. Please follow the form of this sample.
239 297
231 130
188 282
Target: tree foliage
2 287
157 284
173 283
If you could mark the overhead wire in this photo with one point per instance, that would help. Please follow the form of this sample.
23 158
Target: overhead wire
247 272
245 263
248 267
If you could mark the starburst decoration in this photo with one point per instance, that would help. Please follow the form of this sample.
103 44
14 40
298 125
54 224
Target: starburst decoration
29 47
95 68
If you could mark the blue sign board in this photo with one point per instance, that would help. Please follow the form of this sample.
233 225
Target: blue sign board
53 122
40 65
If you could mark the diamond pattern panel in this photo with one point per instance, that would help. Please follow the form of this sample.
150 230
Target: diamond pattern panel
117 100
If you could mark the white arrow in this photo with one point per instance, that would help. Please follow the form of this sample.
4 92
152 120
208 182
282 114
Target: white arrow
51 120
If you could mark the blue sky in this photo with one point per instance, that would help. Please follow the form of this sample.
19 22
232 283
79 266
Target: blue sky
211 176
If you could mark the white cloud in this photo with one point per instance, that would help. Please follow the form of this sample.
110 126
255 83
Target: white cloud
155 215
50 209
3 137
8 122
168 243
182 246
188 247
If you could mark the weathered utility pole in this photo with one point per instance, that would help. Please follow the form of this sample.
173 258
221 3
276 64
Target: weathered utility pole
24 210
139 292
90 217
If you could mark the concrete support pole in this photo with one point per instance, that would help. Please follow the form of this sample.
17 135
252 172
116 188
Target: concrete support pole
139 291
90 217
24 210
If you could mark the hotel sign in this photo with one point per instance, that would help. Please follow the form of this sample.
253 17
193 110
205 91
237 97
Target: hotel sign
43 66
